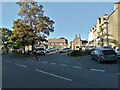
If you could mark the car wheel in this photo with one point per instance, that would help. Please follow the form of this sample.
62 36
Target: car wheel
92 58
115 61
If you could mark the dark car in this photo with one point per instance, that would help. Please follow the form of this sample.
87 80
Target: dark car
104 55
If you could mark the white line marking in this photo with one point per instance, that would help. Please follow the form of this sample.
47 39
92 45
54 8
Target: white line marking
53 75
76 67
118 73
20 65
8 61
64 65
45 62
53 63
97 70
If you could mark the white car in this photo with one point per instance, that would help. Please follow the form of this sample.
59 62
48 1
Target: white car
41 51
117 50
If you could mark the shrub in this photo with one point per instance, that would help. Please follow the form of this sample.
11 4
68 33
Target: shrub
77 53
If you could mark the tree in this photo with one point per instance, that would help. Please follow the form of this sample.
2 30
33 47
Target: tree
6 33
32 15
66 41
22 34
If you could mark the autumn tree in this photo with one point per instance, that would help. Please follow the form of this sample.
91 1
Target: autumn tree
32 15
22 34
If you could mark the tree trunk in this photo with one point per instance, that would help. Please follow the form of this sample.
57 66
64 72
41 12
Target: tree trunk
24 48
32 47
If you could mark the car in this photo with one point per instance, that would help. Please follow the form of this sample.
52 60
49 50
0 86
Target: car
117 50
40 51
65 50
102 55
105 47
51 50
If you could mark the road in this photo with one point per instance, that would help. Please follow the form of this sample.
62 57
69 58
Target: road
58 71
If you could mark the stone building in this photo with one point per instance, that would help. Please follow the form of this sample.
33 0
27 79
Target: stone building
106 32
114 26
76 43
58 43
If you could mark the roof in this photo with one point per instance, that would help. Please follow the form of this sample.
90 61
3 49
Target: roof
84 41
56 40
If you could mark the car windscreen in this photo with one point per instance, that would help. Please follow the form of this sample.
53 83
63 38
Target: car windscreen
109 52
118 49
40 49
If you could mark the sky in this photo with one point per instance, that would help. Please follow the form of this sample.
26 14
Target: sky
70 17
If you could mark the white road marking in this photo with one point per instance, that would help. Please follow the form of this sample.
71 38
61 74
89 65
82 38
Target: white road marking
8 61
53 75
76 67
53 63
20 65
45 62
118 73
97 70
64 65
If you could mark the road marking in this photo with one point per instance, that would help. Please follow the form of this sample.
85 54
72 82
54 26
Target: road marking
64 65
53 63
76 67
53 75
97 70
20 65
45 62
8 61
118 73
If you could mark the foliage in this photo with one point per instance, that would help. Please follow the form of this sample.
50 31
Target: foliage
32 25
77 53
6 33
32 14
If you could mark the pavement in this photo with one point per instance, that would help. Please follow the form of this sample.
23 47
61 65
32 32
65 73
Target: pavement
57 71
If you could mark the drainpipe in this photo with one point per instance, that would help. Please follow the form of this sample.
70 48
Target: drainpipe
107 33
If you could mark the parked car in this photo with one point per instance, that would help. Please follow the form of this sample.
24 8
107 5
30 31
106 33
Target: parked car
105 47
51 50
117 50
65 50
40 51
104 55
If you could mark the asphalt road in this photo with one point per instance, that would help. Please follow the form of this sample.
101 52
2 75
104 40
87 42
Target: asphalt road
57 71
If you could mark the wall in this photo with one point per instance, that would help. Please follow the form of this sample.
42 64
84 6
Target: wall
114 27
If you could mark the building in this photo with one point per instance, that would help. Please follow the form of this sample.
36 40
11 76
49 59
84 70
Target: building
84 42
114 26
106 32
58 43
76 43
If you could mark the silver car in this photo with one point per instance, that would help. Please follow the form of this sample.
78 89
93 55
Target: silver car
117 50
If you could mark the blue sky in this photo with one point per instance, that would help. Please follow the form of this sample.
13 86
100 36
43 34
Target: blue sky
70 18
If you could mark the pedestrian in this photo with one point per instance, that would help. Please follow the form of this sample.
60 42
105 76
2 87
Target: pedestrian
37 59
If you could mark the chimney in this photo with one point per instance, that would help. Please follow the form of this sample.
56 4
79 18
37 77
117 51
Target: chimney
116 5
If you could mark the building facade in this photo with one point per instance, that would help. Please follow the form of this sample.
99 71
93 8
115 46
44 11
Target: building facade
76 43
106 32
57 43
114 26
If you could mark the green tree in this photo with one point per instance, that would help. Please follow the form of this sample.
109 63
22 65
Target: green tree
6 33
32 15
22 34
